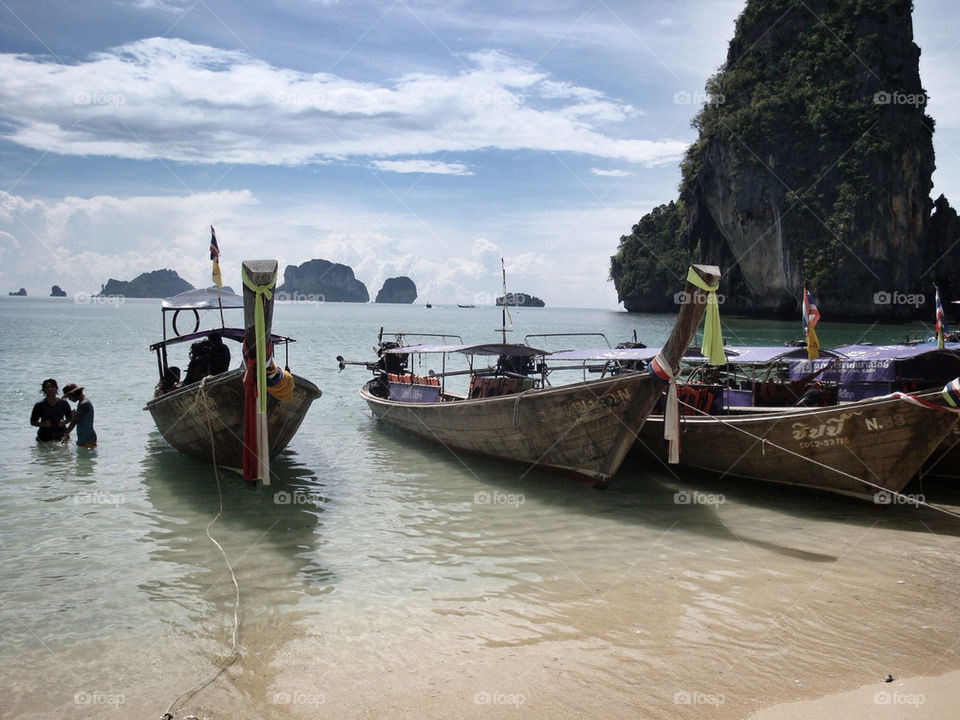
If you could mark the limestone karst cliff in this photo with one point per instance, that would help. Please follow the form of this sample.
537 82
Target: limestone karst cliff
813 165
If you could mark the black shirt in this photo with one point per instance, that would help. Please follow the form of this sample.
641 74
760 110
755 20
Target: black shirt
43 410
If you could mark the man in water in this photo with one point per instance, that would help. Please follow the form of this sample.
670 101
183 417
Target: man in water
51 414
82 418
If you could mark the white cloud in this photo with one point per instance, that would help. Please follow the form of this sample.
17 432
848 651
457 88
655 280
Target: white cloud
172 99
422 166
79 243
609 173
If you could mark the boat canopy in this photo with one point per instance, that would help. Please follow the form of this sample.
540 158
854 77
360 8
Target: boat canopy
483 349
202 299
882 363
606 354
766 354
237 334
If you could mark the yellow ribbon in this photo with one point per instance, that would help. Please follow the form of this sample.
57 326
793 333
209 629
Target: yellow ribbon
712 345
262 293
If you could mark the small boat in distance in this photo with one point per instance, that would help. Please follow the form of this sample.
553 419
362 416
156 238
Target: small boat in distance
206 415
511 412
465 306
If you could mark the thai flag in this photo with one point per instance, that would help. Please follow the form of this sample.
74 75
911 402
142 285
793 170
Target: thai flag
810 313
214 247
939 318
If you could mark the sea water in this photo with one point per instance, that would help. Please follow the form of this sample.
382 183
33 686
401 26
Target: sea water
382 576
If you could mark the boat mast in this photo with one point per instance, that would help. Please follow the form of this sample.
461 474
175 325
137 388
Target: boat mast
503 307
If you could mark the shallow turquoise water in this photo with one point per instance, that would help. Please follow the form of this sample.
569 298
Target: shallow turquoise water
382 573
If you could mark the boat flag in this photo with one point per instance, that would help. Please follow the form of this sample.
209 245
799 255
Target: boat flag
810 318
939 318
215 256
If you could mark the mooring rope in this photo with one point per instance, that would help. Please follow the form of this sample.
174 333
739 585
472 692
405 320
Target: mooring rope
235 649
903 397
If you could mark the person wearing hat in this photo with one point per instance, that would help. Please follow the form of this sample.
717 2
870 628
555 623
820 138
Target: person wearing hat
82 418
51 414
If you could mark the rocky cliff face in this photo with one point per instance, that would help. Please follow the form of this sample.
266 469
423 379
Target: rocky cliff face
156 284
397 290
323 279
813 164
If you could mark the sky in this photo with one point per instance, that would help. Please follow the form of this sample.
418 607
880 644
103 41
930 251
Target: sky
399 137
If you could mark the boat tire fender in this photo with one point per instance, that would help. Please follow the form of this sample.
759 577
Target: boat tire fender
196 322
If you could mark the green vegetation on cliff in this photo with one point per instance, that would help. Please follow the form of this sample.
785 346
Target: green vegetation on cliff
650 264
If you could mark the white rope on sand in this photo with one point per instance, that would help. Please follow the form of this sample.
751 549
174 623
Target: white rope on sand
235 646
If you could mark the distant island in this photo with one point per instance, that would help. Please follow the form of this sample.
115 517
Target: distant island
56 291
324 281
397 290
521 300
22 292
156 284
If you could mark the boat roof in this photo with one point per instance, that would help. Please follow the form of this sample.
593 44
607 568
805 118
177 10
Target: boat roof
736 355
482 349
202 299
237 334
894 352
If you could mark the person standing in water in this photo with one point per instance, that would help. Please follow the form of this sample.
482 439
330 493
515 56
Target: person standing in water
51 414
82 418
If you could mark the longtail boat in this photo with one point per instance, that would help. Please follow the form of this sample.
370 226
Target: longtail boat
765 415
510 411
866 449
213 412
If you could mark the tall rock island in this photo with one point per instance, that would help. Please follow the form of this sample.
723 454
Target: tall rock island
323 279
812 166
397 290
155 284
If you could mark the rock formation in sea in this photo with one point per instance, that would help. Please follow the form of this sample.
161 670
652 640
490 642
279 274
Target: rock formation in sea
22 292
323 280
521 300
397 290
812 166
56 291
156 284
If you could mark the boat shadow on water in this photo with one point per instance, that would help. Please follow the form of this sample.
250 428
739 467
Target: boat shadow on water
666 499
281 521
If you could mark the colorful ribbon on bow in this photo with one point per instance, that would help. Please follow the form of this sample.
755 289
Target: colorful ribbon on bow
660 369
712 345
262 293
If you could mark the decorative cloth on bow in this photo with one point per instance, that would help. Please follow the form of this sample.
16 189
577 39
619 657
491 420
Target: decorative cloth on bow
263 293
660 369
712 345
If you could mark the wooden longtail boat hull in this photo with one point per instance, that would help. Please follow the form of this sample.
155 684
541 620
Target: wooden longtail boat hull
584 429
205 420
884 441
